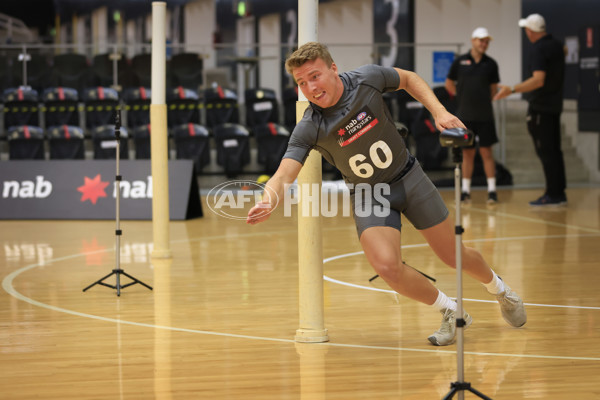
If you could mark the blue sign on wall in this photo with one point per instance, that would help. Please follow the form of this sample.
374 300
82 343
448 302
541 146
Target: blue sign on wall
442 60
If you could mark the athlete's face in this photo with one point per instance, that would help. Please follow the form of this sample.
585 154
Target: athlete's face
320 84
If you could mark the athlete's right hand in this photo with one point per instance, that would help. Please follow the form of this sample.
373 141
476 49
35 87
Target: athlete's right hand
259 213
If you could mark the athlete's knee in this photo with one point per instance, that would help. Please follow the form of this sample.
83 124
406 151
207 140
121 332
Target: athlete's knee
387 267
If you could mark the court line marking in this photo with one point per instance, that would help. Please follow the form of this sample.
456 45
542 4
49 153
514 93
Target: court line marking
530 219
374 289
9 288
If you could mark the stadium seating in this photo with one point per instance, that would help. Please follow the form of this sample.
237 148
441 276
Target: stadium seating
185 69
271 141
192 142
141 142
38 71
183 107
25 143
233 147
71 70
221 106
66 142
137 106
105 143
21 107
100 105
141 73
103 71
261 107
60 106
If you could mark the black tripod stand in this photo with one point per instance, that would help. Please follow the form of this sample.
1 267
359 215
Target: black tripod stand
118 271
422 273
457 138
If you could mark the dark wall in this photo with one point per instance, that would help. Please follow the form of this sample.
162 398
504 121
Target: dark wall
404 29
563 19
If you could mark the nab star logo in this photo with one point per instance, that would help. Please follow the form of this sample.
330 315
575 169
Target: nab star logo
92 189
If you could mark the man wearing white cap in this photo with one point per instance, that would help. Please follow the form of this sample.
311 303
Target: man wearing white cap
545 97
474 78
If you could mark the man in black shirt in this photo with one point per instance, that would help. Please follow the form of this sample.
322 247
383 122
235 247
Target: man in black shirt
474 78
545 97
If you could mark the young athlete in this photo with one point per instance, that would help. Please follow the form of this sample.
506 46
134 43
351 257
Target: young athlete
374 153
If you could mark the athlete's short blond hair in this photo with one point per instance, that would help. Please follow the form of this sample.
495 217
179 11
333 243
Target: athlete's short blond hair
308 52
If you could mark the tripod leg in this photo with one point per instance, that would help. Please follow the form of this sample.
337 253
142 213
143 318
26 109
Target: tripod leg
479 394
450 394
99 281
136 280
422 273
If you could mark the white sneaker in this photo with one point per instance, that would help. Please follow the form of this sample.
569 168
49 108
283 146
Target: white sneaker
511 305
447 333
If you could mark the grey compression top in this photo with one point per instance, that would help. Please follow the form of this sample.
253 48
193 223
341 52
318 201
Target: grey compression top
357 135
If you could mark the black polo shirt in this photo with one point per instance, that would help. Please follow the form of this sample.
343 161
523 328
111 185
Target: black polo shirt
547 54
473 82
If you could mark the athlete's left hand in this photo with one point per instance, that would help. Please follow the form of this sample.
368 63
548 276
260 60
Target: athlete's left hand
446 120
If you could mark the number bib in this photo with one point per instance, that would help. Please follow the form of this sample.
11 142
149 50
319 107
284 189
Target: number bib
357 134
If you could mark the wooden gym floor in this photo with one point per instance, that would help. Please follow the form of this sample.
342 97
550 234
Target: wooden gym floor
222 315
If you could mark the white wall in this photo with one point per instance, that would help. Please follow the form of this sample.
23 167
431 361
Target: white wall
347 27
100 29
199 24
453 21
80 40
347 22
269 38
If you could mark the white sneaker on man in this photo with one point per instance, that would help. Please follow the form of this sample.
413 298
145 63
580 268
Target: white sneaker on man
447 333
511 305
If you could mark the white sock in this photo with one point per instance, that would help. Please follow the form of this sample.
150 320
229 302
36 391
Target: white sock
491 182
495 286
466 185
444 302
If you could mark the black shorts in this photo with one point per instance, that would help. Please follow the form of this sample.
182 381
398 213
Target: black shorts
485 133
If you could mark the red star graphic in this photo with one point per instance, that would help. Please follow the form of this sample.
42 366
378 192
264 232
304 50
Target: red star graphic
92 189
341 132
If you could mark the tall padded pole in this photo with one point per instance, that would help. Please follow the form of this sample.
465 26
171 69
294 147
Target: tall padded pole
158 138
310 237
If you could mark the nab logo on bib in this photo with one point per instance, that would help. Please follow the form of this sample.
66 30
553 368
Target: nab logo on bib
354 128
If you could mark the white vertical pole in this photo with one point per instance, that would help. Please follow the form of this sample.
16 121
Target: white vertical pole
310 238
158 138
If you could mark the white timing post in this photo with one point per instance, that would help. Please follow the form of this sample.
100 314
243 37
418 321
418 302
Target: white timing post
158 137
310 237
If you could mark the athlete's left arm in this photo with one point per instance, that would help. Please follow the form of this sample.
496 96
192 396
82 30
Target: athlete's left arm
420 90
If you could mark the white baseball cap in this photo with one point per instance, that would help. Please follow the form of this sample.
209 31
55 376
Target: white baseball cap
480 33
535 22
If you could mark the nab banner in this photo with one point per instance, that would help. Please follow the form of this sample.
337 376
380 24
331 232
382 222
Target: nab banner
73 189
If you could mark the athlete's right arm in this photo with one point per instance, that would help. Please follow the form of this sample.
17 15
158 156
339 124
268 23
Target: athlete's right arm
285 175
